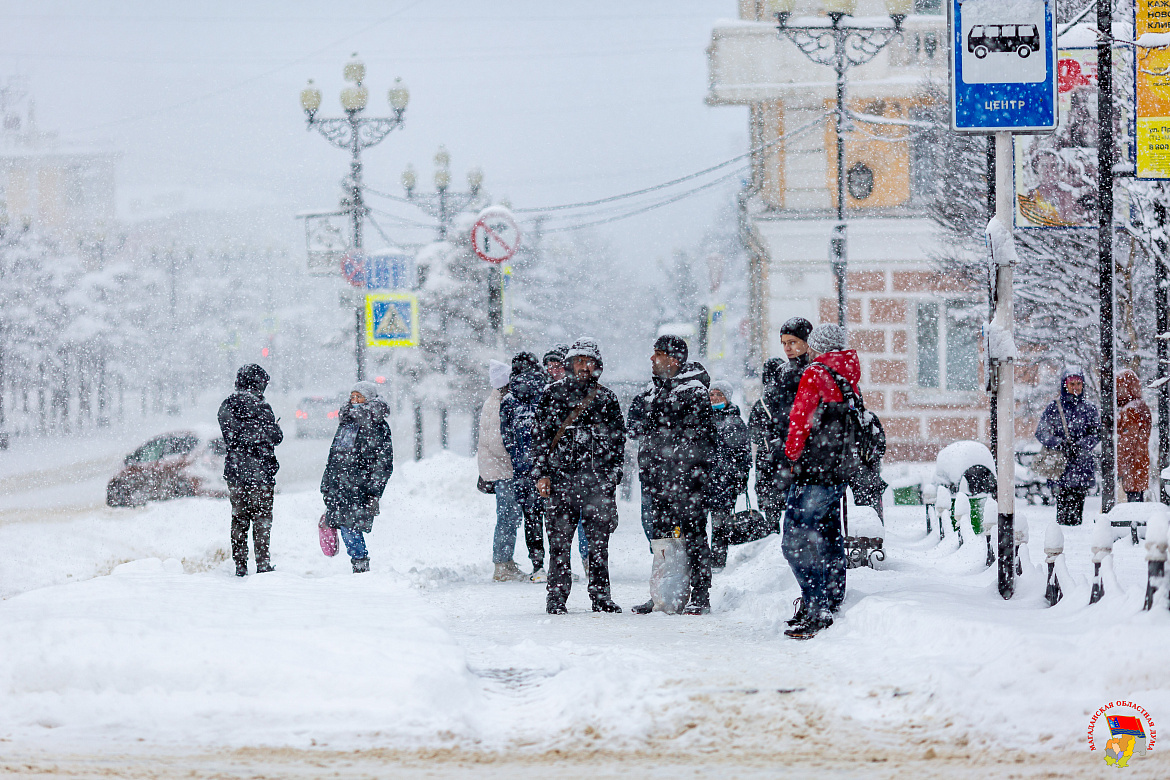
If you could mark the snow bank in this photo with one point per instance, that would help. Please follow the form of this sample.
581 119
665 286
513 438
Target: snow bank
156 654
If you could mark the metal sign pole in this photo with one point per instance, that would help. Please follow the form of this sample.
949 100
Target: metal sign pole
1105 244
1005 366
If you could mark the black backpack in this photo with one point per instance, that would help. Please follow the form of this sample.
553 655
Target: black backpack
845 439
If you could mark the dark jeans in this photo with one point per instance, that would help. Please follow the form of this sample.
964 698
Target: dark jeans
355 544
814 546
720 517
1070 506
251 506
595 508
684 510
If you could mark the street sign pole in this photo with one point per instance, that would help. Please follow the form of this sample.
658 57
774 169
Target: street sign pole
1005 408
1105 244
495 237
1003 81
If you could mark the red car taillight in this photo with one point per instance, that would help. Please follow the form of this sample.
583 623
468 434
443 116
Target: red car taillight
302 415
332 415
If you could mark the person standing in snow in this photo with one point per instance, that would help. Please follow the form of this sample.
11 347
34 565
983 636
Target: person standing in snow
813 541
730 465
1134 423
250 434
580 441
768 420
361 460
1071 424
675 458
554 362
517 421
495 476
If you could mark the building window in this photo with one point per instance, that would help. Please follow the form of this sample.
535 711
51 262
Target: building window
947 338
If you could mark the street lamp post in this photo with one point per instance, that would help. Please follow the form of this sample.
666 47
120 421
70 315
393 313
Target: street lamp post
842 45
443 204
355 132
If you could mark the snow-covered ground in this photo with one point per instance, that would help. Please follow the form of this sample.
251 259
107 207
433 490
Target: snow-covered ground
127 643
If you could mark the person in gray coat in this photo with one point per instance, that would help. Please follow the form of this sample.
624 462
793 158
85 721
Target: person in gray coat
361 460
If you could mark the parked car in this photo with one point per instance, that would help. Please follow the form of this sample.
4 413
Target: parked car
317 417
173 465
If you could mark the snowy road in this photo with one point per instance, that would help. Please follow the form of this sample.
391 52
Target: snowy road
128 646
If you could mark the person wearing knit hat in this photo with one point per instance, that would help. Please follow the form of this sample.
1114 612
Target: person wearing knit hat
361 460
828 338
798 327
579 446
813 542
554 362
517 428
675 427
730 465
496 475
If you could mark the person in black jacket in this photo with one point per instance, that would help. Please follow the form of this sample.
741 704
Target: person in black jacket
517 421
729 467
250 434
768 421
579 443
677 444
361 460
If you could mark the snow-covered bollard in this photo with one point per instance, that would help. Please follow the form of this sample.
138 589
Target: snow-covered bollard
1053 548
960 513
929 496
1156 543
944 503
1020 531
1102 547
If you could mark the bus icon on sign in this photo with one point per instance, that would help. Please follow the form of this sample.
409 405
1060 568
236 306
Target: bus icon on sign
1023 39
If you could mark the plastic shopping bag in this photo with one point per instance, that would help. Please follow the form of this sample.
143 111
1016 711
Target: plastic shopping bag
670 575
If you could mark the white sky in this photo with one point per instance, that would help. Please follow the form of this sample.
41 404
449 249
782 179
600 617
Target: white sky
556 101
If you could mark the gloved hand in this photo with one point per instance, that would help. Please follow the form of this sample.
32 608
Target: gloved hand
1070 449
373 505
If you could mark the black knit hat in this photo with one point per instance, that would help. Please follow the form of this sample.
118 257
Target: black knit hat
672 345
797 326
556 354
524 362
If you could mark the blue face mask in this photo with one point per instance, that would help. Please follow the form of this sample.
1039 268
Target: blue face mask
719 406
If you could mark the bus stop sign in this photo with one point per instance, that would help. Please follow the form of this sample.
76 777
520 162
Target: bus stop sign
1003 66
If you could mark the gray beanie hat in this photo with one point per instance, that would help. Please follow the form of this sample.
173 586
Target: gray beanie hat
369 390
828 338
725 387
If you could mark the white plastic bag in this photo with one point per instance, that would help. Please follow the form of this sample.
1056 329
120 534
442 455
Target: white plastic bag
670 576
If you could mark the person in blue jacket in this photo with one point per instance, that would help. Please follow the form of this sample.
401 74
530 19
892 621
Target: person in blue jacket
517 419
361 460
1076 435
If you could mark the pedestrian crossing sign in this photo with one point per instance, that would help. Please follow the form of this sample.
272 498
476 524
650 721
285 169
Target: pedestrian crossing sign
392 319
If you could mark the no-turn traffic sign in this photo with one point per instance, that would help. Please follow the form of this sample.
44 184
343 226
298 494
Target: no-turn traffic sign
495 236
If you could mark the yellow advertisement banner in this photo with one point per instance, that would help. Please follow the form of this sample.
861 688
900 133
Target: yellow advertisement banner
1153 92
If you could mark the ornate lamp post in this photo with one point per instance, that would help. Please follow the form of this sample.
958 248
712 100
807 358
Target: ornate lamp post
443 204
355 132
842 45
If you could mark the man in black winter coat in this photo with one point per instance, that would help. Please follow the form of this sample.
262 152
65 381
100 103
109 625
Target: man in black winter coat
730 466
677 444
250 433
768 420
579 441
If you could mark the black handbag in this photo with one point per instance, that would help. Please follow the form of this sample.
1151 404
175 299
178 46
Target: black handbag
483 486
749 525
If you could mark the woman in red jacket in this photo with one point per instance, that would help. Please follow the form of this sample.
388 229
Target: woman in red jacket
1133 436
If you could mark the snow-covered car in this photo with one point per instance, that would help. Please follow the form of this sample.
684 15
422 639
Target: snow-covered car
173 465
317 417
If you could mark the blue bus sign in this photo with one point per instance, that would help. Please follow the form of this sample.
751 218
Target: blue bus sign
1003 66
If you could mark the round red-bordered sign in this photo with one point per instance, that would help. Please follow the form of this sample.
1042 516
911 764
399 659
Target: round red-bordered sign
353 268
495 236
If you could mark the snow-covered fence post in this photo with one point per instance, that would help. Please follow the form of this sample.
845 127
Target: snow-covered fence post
960 511
1053 548
943 502
1156 543
1102 547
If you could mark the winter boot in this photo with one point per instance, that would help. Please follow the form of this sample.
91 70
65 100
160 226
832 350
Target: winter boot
242 569
643 609
801 615
360 565
606 605
263 567
699 604
556 607
508 572
810 628
538 575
